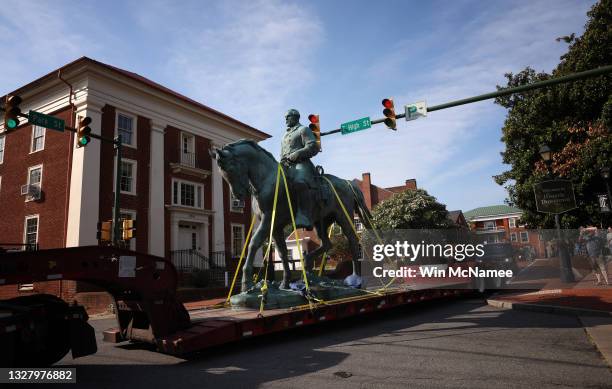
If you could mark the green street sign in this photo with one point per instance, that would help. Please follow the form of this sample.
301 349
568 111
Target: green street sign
47 121
356 125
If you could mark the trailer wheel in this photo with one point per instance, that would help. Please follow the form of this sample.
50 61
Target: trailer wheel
49 339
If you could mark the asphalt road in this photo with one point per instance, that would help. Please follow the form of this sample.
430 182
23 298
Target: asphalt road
459 344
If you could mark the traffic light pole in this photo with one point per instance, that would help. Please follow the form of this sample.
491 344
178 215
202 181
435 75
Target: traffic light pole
116 232
503 92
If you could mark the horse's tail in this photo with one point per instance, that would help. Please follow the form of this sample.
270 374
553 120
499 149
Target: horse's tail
360 206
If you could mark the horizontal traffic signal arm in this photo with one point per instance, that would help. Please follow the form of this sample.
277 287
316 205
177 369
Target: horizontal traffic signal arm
503 92
72 129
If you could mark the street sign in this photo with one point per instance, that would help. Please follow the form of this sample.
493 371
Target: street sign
47 121
356 125
604 203
554 196
416 110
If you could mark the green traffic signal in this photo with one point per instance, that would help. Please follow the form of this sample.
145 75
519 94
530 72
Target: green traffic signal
11 123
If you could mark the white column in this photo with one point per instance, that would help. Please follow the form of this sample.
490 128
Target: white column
156 191
204 239
218 219
174 234
84 206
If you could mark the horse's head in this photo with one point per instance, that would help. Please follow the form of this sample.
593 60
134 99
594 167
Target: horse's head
234 170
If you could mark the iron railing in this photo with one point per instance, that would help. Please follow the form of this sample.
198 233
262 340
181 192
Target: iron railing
188 159
209 271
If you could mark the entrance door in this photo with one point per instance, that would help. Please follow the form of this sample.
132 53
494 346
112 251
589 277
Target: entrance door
189 237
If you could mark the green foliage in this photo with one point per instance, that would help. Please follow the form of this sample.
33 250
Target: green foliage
411 209
574 119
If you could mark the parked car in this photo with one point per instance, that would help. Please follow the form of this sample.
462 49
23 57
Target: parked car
499 256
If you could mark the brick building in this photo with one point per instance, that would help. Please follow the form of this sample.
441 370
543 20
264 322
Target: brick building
500 223
168 182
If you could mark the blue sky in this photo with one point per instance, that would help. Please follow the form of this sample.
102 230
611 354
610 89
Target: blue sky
255 59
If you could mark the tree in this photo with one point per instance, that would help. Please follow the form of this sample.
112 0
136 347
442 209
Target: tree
411 209
574 119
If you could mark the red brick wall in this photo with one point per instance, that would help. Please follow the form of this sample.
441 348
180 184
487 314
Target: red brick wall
141 154
52 210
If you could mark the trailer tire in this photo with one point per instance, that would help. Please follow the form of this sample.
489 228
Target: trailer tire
52 337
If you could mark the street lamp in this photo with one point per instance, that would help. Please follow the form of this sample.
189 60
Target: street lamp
545 153
565 261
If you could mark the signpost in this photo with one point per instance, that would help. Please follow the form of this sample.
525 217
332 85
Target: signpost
416 110
556 197
356 125
47 121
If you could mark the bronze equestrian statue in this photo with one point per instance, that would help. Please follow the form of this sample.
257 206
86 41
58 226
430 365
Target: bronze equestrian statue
248 168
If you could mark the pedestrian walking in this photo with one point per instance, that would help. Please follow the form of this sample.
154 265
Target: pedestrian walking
594 243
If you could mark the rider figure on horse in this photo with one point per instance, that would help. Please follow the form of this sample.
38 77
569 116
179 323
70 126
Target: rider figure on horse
298 146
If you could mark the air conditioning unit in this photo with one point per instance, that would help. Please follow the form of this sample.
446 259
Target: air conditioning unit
25 189
33 192
237 203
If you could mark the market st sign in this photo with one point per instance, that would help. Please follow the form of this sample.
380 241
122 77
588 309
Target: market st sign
554 196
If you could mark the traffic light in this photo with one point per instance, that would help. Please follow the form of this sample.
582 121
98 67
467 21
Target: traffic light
389 113
104 231
128 226
83 132
315 126
11 112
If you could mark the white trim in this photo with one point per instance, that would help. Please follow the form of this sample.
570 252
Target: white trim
134 176
513 234
241 226
231 204
134 143
44 138
25 226
196 185
521 236
3 139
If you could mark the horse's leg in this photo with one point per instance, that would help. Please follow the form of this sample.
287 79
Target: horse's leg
353 241
326 244
281 245
256 242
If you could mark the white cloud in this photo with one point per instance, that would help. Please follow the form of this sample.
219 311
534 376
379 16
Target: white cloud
251 61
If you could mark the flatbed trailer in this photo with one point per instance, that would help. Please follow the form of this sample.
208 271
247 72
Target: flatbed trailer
147 310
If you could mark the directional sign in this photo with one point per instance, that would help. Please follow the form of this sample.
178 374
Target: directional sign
416 110
356 125
47 121
555 196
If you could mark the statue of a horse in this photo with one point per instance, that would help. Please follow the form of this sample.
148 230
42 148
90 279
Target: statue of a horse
247 167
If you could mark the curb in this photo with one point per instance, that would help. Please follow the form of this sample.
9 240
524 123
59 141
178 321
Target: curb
548 308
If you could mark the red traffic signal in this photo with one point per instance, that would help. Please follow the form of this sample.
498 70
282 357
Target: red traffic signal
12 112
83 132
389 113
315 126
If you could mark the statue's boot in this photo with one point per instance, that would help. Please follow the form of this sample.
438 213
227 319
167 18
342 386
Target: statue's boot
304 209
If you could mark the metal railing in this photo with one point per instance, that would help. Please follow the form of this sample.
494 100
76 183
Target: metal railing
9 247
195 269
188 159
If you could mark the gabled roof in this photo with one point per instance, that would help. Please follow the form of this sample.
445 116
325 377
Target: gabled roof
141 79
492 210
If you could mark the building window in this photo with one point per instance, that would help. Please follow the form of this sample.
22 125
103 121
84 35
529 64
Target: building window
34 182
237 239
1 148
125 128
187 194
127 180
513 237
490 225
524 236
358 225
38 138
128 214
512 222
236 205
31 232
187 150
